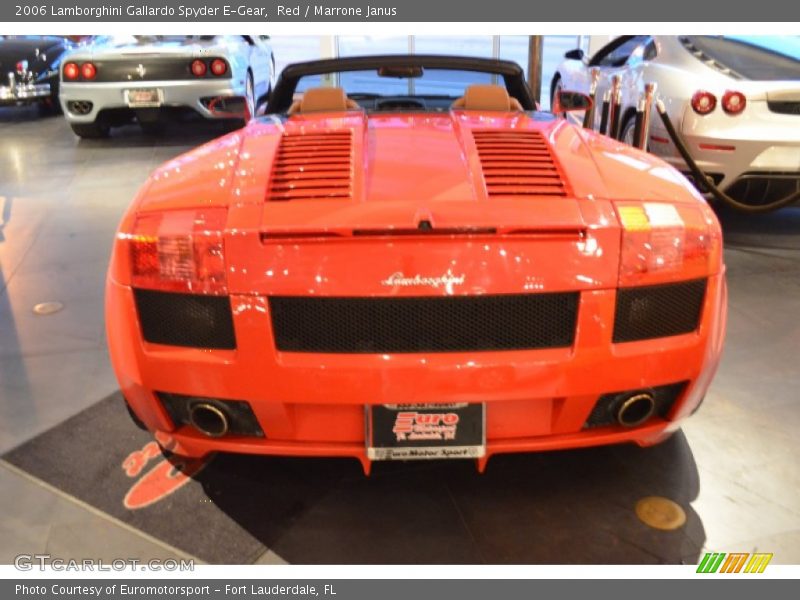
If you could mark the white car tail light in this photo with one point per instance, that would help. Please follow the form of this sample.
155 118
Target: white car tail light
88 71
704 102
180 251
219 67
199 68
71 71
733 103
664 242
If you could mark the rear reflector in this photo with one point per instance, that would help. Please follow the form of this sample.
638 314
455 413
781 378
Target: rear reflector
717 147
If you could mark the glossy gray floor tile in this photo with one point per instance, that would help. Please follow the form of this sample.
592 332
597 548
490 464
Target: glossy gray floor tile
40 521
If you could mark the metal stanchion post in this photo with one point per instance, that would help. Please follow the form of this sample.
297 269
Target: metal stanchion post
642 132
604 112
637 124
615 107
588 117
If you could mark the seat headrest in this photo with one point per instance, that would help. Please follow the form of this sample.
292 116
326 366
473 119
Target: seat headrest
487 97
323 99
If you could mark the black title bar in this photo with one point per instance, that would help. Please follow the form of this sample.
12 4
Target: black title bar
262 11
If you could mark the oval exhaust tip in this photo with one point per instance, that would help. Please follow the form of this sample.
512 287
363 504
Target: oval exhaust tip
636 409
208 419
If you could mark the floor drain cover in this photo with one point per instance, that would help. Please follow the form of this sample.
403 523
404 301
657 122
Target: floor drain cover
47 308
660 513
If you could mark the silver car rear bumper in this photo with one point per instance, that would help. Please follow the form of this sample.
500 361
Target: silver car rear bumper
186 94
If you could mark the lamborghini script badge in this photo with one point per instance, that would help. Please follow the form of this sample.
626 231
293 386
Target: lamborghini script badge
447 281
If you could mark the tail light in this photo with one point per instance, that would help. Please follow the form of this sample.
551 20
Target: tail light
666 242
219 67
733 103
704 102
88 71
199 68
71 71
179 251
22 67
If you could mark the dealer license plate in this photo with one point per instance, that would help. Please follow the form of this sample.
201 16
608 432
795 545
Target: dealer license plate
144 97
425 431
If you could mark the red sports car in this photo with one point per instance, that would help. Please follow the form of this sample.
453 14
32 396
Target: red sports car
412 264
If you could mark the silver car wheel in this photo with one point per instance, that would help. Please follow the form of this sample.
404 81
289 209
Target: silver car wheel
627 131
250 99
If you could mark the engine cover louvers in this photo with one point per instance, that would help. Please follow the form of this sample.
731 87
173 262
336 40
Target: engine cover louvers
517 163
313 166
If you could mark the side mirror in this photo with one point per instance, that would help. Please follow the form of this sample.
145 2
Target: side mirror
566 101
576 54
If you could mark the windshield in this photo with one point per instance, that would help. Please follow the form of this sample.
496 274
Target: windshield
170 38
446 83
760 58
400 82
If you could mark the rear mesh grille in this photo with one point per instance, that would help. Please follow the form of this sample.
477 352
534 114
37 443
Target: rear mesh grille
784 107
758 189
314 165
517 163
424 324
185 319
658 311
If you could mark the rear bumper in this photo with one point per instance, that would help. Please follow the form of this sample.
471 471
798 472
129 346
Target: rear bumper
758 141
24 93
732 159
314 404
175 94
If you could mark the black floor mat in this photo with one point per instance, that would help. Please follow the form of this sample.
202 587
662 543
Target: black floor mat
557 507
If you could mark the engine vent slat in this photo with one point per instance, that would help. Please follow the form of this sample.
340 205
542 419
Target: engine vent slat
313 166
518 178
518 164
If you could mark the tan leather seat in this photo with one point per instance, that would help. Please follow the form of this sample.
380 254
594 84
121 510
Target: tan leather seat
323 99
487 97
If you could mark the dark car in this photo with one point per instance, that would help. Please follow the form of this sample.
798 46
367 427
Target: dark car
29 69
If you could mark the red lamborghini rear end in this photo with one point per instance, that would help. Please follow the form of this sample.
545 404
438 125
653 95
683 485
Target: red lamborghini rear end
402 284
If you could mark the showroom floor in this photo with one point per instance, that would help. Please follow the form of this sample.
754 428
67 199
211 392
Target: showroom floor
733 468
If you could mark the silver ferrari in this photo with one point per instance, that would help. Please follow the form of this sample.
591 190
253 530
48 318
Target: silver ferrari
734 99
150 78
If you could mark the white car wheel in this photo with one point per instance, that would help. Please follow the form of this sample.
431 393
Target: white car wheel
557 86
250 99
628 129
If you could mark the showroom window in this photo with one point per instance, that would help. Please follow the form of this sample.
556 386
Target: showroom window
507 47
298 48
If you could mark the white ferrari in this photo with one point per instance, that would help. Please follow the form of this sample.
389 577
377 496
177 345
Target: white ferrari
735 100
